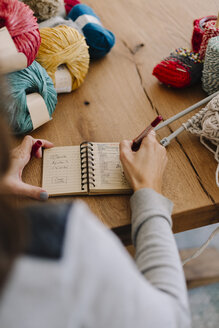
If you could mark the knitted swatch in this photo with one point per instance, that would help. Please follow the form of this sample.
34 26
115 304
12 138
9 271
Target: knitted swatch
182 68
210 31
210 73
64 45
99 39
205 124
31 79
198 31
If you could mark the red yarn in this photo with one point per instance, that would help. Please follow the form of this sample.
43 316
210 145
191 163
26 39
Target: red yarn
210 31
198 31
22 26
197 35
69 4
172 73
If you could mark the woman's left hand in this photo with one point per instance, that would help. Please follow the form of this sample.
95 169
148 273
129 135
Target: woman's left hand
20 157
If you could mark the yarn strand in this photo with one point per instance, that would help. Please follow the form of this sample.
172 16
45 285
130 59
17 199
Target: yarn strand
202 248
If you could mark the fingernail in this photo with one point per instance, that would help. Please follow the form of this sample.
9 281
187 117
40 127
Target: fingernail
44 195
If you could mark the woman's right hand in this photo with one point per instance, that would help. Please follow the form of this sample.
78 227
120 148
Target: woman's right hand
144 168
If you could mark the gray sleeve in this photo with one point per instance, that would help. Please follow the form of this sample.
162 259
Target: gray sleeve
157 256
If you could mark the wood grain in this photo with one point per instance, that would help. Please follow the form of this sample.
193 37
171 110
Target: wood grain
124 97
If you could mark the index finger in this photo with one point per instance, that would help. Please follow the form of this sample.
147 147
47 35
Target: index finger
149 139
44 144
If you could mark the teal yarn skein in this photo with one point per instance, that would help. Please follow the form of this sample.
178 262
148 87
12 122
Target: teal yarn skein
29 80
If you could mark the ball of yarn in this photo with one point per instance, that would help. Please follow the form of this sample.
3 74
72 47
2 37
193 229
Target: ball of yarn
69 4
31 79
198 31
210 73
56 21
22 26
64 45
210 31
99 39
182 68
43 9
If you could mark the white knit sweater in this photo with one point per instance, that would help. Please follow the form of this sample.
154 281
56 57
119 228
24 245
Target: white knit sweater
96 284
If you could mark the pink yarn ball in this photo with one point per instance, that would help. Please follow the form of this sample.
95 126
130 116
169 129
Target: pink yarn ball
22 26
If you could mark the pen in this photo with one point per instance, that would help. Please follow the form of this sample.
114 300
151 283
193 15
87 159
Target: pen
137 141
35 147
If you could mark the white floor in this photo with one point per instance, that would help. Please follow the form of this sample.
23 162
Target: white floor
204 301
196 237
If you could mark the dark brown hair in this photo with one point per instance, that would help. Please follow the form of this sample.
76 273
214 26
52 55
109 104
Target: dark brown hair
12 225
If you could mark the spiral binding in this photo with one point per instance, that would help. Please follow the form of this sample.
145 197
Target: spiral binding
87 165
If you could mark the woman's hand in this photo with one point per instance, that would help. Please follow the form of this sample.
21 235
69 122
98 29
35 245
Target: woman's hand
144 168
20 156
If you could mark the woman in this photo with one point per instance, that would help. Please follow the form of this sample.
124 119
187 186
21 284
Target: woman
60 267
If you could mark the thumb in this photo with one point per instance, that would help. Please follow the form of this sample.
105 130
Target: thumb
24 189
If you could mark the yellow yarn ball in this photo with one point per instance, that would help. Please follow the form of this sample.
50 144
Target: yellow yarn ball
64 45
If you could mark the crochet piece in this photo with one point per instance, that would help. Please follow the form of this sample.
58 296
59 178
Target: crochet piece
198 31
205 124
210 74
182 68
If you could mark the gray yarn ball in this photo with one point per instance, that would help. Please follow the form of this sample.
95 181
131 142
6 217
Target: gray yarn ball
58 20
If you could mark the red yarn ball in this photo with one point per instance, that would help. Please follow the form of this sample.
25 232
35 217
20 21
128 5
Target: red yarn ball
69 4
172 73
180 69
198 31
197 36
22 26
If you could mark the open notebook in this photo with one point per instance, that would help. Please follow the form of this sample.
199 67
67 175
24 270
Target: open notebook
91 168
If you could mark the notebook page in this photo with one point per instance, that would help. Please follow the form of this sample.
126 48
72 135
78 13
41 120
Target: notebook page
109 175
62 170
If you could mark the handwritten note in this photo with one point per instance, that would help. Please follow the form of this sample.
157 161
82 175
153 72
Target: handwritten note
108 168
62 170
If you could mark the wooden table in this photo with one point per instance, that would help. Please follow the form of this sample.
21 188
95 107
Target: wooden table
124 97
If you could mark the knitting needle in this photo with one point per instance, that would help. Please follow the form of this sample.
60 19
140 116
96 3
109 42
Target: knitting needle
185 111
166 140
